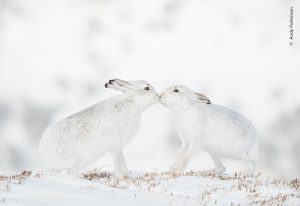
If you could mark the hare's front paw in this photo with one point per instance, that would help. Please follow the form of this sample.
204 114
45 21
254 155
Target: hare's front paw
216 171
173 171
121 175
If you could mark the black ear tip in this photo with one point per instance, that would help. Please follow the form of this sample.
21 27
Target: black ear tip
111 81
208 102
106 85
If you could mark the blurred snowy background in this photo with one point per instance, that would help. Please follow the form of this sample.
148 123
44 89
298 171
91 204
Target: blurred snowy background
56 55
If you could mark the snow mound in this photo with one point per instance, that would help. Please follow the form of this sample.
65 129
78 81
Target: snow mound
101 188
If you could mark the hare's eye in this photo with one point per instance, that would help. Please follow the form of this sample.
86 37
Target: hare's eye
176 90
147 88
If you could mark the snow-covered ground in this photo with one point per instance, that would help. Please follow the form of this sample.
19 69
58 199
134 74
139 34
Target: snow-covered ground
100 188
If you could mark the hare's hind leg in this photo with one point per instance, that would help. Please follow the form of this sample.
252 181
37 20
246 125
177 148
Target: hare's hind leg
251 166
251 158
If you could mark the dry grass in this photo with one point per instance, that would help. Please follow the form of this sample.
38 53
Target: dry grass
239 183
18 178
148 180
5 181
294 183
212 188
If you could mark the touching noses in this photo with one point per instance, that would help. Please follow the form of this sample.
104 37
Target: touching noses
161 98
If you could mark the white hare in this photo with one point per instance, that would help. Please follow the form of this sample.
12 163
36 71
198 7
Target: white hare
221 132
82 138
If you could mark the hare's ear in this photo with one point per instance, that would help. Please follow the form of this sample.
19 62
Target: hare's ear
200 98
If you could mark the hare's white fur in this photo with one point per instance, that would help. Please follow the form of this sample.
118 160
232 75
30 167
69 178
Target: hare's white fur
221 132
82 138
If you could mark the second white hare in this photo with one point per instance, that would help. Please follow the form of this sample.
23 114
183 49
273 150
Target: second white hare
221 132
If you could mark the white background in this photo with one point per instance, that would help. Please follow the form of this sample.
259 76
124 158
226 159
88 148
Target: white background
56 55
